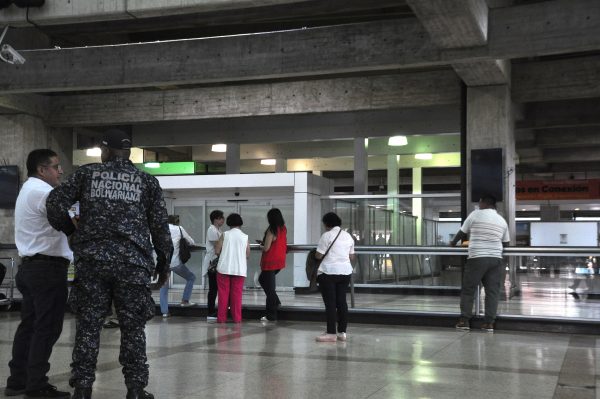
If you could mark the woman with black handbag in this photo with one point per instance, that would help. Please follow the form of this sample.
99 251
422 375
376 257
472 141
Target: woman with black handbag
336 252
178 234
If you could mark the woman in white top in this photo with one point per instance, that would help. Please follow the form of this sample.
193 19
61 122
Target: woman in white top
177 233
233 250
334 276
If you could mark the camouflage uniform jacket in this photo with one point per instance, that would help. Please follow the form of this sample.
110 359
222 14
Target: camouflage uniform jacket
121 210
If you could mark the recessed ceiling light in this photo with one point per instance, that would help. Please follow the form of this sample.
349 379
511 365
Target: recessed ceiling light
424 156
576 209
93 152
268 162
396 141
449 210
219 148
523 209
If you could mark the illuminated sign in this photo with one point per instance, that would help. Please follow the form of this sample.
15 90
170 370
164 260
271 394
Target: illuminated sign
558 189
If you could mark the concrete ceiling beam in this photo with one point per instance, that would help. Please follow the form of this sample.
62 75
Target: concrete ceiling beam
336 148
299 128
460 24
574 77
514 32
484 72
453 23
30 104
584 154
556 114
69 12
572 138
313 96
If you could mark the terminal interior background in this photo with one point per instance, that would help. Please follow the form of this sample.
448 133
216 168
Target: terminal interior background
328 149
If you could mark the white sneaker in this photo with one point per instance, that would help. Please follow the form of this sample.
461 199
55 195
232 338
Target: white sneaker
211 319
166 315
341 337
186 304
326 338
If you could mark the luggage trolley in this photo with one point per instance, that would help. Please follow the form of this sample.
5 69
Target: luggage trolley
7 287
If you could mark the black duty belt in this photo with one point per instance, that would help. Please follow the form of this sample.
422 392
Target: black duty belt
47 258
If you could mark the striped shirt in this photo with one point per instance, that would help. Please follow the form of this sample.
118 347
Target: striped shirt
487 231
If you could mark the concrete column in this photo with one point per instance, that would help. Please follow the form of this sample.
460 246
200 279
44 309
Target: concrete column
232 159
361 166
417 203
490 124
281 165
19 135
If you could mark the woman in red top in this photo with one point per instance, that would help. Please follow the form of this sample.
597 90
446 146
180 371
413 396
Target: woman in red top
274 247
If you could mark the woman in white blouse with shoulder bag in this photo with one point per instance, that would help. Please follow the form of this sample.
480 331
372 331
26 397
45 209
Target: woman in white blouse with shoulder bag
336 251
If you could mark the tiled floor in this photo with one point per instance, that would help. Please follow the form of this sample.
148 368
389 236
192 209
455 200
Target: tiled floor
190 358
535 300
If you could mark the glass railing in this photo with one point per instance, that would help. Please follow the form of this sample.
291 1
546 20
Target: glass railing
546 282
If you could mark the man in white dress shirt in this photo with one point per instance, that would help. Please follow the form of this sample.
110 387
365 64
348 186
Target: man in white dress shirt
41 279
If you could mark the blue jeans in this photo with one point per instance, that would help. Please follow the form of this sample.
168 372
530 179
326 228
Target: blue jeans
189 277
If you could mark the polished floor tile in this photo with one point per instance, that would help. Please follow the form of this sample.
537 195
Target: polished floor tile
190 358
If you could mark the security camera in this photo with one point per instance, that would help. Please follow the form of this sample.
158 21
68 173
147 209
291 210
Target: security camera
10 55
237 193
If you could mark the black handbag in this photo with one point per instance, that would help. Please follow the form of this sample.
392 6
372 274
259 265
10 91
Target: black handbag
312 264
185 252
212 265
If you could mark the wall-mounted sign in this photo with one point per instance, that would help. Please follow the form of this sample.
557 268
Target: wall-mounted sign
558 189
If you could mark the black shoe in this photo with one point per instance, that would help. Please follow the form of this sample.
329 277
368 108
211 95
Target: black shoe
138 393
14 391
49 391
82 393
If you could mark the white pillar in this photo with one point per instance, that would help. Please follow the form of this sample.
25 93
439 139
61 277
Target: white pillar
417 203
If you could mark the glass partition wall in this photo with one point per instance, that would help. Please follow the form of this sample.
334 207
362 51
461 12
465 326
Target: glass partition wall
389 220
423 274
194 217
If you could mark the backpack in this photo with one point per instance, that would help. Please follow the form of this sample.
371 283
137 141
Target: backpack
185 252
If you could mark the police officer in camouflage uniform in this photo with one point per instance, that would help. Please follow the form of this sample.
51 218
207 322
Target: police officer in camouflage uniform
122 217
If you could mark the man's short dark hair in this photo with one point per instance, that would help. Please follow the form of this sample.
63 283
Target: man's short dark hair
489 200
331 220
37 158
214 215
234 220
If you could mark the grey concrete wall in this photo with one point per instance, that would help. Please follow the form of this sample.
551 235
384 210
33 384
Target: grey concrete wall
20 134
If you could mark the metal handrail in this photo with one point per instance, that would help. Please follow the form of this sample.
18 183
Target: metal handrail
422 250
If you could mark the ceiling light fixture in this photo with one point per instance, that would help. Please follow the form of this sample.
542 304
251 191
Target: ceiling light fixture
93 152
268 162
152 165
397 141
424 156
219 148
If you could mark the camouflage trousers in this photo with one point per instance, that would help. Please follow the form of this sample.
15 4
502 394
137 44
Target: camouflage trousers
94 288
